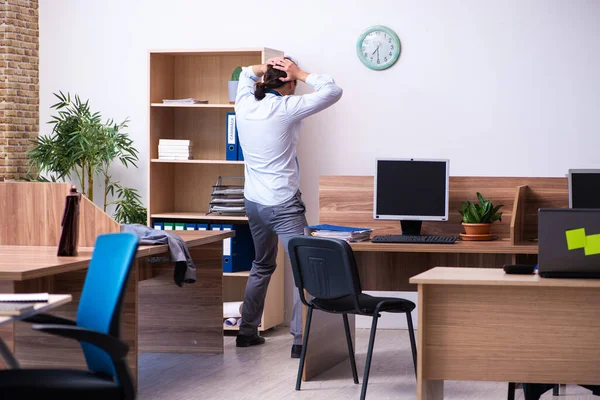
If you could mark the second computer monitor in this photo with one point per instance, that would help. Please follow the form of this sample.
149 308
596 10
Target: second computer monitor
584 188
411 191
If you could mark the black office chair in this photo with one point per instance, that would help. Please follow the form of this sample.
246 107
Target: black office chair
534 391
97 328
326 268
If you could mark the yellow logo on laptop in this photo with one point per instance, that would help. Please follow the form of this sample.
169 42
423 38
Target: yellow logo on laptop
577 239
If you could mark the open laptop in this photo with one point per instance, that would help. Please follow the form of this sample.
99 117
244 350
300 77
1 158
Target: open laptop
569 243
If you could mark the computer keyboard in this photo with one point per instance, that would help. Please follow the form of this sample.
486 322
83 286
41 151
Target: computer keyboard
433 239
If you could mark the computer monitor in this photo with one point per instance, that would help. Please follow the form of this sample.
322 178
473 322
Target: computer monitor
412 191
584 188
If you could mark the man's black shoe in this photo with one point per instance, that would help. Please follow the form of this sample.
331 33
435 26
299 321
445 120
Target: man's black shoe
249 340
296 350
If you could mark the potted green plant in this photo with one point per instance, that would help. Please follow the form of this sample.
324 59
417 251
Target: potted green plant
232 85
83 147
477 219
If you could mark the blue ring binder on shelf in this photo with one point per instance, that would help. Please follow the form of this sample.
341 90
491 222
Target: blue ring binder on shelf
231 138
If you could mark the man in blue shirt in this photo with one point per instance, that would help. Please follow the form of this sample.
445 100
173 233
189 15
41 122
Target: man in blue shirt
268 118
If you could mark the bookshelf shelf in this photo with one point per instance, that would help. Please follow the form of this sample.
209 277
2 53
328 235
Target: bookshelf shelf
242 274
223 162
187 184
193 105
198 216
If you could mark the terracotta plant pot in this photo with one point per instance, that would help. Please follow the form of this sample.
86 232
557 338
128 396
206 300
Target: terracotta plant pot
477 229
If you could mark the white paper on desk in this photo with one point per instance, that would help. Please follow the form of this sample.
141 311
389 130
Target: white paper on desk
232 321
27 297
232 309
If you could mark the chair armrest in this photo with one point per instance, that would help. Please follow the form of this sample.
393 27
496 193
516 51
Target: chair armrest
48 319
116 348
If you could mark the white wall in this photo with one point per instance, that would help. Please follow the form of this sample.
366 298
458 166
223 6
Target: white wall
500 88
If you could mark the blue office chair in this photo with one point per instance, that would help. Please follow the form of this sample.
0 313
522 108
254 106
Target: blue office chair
326 268
96 328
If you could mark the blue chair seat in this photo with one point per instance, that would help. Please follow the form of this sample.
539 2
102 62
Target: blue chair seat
66 383
367 303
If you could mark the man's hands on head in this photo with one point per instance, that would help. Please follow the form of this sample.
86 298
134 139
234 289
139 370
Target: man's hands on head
292 70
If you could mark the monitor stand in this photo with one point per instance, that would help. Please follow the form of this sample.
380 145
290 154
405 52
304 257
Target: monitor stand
411 228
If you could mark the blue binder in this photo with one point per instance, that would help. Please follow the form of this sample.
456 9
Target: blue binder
190 227
159 226
238 252
202 227
240 154
231 140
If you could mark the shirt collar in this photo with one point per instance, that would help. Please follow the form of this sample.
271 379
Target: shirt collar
276 93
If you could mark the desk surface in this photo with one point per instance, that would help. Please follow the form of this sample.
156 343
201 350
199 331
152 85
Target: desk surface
54 300
27 262
501 246
494 277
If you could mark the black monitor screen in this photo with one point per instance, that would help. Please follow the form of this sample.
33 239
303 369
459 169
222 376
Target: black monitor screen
411 188
585 190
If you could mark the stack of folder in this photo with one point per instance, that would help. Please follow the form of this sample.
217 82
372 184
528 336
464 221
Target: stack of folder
228 198
347 233
173 149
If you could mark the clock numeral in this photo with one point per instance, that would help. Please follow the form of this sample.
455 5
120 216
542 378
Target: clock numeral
377 61
390 40
371 59
364 48
384 58
377 33
390 53
366 55
366 42
385 35
392 47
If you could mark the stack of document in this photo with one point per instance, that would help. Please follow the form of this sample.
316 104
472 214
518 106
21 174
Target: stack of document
172 149
347 233
184 101
228 199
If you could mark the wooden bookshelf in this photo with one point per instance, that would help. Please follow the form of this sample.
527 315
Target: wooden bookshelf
180 190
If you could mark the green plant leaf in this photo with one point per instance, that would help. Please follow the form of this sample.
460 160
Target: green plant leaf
474 216
480 198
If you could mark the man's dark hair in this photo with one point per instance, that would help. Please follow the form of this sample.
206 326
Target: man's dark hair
271 81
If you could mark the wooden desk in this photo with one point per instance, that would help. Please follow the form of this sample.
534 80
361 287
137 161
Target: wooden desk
388 267
157 315
484 325
348 200
54 300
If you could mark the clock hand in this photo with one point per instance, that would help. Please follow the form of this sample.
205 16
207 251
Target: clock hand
376 50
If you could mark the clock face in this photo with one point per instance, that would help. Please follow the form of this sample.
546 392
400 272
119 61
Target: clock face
378 47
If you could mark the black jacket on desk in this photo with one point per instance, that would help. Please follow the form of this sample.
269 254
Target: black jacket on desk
185 270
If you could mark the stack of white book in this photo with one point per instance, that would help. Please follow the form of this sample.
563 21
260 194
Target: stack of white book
174 149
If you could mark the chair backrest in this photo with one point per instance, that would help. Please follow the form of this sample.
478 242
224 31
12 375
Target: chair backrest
103 293
325 267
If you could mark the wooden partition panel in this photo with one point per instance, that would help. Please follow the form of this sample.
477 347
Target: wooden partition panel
31 214
348 200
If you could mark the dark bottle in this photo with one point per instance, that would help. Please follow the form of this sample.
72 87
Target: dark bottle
70 225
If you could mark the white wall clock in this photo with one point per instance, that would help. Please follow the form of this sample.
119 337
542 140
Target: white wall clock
378 47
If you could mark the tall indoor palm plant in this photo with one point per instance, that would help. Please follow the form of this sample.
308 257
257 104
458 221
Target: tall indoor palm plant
81 146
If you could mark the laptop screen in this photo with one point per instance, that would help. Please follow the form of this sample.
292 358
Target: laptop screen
569 242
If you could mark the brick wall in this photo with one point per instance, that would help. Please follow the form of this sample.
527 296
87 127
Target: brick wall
19 84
